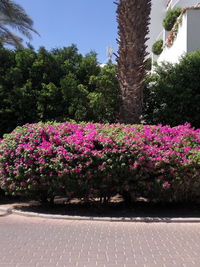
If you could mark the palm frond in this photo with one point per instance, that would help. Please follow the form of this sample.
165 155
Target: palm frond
14 16
10 38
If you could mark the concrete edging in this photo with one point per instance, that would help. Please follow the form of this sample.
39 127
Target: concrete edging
103 219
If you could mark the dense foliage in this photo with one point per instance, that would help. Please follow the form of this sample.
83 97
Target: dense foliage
148 64
172 93
95 160
157 47
170 18
55 85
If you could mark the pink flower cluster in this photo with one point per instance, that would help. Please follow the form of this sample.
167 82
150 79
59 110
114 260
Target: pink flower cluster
97 159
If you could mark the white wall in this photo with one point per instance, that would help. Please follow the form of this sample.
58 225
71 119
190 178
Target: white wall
193 30
187 40
157 14
179 48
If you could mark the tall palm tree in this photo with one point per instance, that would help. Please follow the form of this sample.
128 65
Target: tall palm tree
133 18
14 16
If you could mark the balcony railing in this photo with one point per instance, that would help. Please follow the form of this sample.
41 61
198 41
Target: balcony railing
168 3
181 3
172 3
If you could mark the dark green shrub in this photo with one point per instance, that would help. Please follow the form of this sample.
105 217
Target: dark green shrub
157 47
148 64
170 18
172 93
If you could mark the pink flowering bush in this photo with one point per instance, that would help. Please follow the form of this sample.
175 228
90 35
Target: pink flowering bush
101 160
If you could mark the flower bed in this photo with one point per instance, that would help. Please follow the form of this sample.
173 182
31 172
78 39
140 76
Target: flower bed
96 160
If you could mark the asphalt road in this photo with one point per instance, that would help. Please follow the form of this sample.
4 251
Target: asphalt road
28 242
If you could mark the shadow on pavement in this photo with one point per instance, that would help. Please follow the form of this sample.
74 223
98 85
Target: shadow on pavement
155 211
5 213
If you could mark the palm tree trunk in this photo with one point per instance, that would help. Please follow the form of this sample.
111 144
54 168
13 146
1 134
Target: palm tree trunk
133 18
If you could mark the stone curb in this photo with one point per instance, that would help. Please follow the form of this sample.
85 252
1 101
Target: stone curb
103 219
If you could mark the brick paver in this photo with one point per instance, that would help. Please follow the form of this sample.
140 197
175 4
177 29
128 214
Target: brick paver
28 242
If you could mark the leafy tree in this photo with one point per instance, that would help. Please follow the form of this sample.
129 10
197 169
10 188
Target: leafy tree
133 18
105 100
14 16
49 102
60 85
88 67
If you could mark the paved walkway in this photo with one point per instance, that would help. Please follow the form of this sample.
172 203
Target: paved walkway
28 242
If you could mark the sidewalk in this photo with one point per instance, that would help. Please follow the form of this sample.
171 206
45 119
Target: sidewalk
40 242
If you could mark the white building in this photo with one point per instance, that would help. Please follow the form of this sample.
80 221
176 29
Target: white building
188 36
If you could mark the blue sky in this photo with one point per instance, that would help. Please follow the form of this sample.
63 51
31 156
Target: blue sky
90 24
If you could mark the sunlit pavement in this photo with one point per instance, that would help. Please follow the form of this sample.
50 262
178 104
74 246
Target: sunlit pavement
27 242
